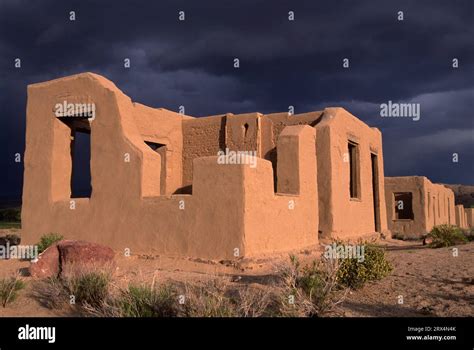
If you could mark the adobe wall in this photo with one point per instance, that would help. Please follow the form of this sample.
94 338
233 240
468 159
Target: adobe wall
439 205
243 132
339 215
202 137
460 214
469 216
206 136
292 213
127 208
433 204
161 126
406 227
273 124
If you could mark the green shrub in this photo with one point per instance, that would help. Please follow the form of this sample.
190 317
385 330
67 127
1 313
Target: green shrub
48 240
354 273
446 236
469 234
89 288
144 301
313 281
9 288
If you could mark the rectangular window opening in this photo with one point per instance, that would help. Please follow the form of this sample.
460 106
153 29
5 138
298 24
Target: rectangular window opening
81 186
403 206
354 170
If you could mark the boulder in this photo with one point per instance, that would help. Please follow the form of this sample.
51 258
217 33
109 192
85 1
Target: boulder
81 253
47 263
68 256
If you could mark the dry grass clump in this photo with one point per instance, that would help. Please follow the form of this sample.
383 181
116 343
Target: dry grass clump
9 288
310 290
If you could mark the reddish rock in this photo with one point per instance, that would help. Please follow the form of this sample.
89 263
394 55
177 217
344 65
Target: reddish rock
82 252
68 256
82 256
47 264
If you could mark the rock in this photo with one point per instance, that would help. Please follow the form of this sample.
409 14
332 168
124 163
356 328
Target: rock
47 263
82 252
69 256
81 256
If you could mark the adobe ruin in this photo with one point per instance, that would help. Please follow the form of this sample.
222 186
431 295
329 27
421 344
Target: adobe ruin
469 217
158 187
461 217
415 205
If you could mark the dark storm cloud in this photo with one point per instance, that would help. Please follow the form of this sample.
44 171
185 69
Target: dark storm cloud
283 63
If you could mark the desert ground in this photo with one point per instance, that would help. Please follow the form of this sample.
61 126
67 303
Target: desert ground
432 282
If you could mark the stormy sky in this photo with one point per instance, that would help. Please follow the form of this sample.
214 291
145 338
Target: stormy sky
282 63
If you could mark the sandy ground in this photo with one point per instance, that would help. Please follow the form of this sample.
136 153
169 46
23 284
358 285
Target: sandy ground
432 282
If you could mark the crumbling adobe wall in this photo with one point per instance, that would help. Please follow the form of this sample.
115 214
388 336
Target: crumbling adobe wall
273 124
433 204
164 127
243 132
127 210
469 216
439 208
339 215
202 137
416 186
292 213
461 220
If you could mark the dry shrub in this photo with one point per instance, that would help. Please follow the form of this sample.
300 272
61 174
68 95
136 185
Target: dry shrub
51 293
209 299
312 290
85 287
148 301
9 288
254 302
218 298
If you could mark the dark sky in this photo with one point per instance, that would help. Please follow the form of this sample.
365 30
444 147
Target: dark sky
283 63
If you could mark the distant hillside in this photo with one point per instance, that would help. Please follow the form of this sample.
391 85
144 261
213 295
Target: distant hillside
464 194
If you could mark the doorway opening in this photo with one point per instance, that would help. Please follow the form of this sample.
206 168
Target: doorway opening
375 192
80 150
161 150
354 170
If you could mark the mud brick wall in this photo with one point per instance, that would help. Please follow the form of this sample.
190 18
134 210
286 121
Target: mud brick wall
202 137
